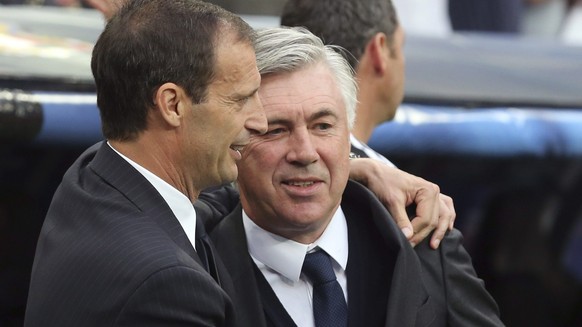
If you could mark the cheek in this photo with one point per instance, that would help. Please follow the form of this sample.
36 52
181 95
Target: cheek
403 70
254 151
343 167
257 159
250 179
233 120
337 157
339 172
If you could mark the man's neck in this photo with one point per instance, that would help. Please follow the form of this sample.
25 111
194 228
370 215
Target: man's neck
367 114
363 129
158 161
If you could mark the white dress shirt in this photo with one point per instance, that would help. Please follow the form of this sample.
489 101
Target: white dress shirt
369 151
178 202
280 260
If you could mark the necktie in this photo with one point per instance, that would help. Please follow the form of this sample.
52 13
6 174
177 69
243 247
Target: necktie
204 249
329 305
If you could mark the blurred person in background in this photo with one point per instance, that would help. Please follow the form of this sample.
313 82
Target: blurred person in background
486 15
421 17
571 32
539 18
543 18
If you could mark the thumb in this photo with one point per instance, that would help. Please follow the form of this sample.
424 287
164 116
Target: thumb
401 218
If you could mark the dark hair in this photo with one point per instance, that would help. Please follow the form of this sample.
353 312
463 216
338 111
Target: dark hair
152 42
347 23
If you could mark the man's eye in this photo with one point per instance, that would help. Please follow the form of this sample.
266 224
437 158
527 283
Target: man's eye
323 126
244 100
275 131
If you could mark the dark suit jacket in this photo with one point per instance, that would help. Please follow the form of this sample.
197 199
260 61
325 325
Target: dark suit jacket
111 253
389 282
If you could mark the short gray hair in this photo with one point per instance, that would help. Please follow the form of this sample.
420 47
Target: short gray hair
283 49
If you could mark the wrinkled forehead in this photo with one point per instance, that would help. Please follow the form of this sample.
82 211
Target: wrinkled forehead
231 51
235 69
307 90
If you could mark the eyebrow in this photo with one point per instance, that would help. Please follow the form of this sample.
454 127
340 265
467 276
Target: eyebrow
240 95
247 94
316 115
322 113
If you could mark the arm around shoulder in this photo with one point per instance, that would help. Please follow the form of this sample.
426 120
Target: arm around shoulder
216 203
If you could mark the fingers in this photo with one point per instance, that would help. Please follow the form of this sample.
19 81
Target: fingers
448 210
397 190
439 232
401 217
446 219
427 211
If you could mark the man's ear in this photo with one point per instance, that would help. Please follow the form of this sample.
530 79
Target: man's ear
169 101
379 52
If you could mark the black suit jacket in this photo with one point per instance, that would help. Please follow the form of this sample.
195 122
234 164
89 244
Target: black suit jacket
111 253
389 282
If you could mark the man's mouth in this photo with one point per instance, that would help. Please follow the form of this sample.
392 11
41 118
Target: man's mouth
237 148
300 184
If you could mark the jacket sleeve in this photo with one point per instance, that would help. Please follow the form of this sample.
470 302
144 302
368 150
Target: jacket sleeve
216 203
454 285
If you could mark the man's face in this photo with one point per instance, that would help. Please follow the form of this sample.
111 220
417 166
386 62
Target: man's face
222 125
292 178
395 79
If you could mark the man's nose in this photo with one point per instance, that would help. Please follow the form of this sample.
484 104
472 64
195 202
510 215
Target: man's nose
302 150
257 122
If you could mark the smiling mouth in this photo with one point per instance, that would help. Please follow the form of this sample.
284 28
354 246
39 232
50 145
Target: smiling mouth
299 184
237 148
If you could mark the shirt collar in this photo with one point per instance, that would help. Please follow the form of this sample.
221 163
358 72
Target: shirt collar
178 202
286 256
369 151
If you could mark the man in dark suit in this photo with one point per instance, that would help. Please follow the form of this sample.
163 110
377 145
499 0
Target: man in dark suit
177 92
296 203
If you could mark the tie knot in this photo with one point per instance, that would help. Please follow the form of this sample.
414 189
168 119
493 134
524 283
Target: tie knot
318 268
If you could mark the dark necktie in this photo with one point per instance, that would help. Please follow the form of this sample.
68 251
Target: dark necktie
329 305
205 251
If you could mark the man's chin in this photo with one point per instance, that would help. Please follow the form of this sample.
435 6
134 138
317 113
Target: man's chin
224 177
230 175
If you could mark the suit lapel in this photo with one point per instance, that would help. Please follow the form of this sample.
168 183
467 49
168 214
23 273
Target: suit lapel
136 188
275 312
370 266
407 293
203 212
230 242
